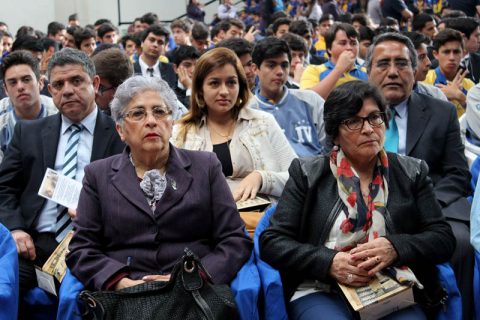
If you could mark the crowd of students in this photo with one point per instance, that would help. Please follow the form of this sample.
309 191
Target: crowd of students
293 54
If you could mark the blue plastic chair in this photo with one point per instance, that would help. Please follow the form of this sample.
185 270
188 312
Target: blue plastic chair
8 276
272 290
476 285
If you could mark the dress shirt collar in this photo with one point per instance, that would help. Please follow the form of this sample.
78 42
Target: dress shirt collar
88 122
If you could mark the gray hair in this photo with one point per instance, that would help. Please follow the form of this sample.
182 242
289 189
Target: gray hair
136 85
391 36
72 56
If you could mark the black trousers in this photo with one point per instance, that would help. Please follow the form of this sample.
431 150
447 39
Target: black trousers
463 264
45 244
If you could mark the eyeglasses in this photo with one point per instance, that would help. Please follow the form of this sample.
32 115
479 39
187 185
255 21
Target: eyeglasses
102 89
140 114
356 123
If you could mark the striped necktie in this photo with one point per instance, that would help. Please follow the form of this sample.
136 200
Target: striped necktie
391 136
150 71
64 223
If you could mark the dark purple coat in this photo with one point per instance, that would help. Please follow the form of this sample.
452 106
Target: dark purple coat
117 231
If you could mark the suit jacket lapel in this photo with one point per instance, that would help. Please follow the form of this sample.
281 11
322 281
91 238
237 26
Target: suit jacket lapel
178 181
137 70
102 136
418 116
50 137
126 182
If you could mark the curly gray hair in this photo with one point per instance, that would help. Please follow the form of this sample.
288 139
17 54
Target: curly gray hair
136 85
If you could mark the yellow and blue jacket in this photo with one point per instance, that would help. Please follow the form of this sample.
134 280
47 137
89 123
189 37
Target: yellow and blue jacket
313 74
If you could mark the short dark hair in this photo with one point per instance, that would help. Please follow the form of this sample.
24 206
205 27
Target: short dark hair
149 18
295 42
417 38
199 31
325 17
49 43
73 17
102 47
157 30
446 35
279 22
27 43
238 45
391 36
360 18
270 47
420 20
345 18
25 31
20 57
388 22
83 34
335 28
71 30
454 14
113 65
69 56
54 27
183 24
131 37
182 53
300 27
106 28
226 24
345 101
99 22
466 25
365 33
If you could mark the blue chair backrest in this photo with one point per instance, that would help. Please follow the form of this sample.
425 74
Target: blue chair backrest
272 290
476 285
453 308
8 275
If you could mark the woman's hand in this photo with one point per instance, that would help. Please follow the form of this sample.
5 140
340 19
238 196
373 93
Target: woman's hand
248 187
156 277
127 282
344 270
375 255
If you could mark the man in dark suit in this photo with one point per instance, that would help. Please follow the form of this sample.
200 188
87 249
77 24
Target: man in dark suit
154 40
428 129
45 143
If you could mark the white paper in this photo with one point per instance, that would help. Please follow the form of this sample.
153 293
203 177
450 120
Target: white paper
45 281
60 189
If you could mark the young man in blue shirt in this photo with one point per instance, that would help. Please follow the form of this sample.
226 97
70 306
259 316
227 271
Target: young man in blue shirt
298 112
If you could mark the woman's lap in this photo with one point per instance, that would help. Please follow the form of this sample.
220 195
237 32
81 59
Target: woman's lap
331 306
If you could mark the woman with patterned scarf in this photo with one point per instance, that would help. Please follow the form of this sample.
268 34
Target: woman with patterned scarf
345 217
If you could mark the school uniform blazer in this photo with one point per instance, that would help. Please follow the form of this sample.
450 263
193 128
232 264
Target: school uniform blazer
117 232
166 72
33 149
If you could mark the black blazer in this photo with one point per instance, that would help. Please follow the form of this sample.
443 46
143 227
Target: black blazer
166 71
293 243
33 149
433 135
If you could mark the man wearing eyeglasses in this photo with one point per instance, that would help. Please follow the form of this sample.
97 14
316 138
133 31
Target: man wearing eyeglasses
427 128
113 67
65 142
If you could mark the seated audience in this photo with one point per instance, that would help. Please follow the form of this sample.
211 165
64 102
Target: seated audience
325 22
243 50
470 125
85 40
184 59
151 178
250 145
342 47
298 112
298 48
357 193
448 50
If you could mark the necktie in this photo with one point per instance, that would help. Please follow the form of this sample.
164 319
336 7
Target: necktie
64 223
391 136
150 71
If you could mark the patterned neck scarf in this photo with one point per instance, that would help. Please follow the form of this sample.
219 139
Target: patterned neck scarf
364 221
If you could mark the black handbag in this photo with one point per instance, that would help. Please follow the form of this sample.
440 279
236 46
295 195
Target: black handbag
187 295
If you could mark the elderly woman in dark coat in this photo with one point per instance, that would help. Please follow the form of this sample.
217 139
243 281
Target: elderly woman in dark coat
140 209
344 217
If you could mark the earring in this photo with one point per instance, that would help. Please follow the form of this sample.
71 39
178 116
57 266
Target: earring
336 148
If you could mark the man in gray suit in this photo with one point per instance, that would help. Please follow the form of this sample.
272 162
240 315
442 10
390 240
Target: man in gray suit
47 143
